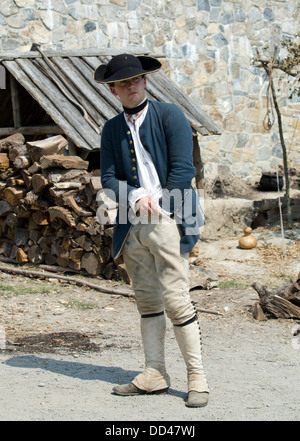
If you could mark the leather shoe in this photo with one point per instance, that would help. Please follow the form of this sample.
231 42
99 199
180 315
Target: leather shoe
197 399
131 389
128 389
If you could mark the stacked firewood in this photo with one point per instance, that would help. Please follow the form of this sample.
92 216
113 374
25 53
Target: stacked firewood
48 208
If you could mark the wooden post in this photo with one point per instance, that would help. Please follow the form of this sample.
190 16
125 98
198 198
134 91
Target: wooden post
199 177
15 101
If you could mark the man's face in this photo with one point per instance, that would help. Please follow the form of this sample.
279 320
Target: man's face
131 92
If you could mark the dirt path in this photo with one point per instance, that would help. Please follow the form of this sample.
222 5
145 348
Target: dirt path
63 347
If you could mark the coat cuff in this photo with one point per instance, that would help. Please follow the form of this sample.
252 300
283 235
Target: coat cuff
135 195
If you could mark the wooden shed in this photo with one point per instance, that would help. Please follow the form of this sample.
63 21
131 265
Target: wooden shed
53 92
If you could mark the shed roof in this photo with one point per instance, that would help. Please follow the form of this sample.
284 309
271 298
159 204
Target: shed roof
63 85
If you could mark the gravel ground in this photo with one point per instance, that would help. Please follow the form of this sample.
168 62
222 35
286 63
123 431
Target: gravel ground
63 347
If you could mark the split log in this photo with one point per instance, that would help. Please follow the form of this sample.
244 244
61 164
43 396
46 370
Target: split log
52 145
4 161
64 262
63 214
283 302
76 255
17 150
20 236
68 185
95 184
14 195
35 255
13 221
22 162
283 308
258 313
84 242
39 183
21 210
90 262
34 236
58 175
5 208
70 202
21 256
17 138
34 168
27 178
41 218
67 162
30 197
6 247
15 182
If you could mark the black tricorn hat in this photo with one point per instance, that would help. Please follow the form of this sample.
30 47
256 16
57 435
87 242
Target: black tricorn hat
125 66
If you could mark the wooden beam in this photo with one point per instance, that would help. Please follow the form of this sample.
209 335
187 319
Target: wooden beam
32 130
94 52
199 177
15 101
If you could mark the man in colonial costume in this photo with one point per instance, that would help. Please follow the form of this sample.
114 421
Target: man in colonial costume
147 161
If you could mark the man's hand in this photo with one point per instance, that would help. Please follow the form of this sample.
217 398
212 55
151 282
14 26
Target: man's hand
146 206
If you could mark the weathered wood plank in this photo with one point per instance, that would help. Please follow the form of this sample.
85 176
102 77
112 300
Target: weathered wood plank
282 308
106 103
32 130
73 95
53 94
91 98
66 108
43 100
158 92
93 52
184 100
15 101
102 89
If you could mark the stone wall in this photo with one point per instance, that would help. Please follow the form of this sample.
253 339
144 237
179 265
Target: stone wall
208 44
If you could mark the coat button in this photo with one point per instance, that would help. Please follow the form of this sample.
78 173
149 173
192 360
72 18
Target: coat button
131 151
133 160
134 177
130 142
133 169
128 133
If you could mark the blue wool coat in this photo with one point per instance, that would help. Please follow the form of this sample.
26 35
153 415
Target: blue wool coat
166 134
